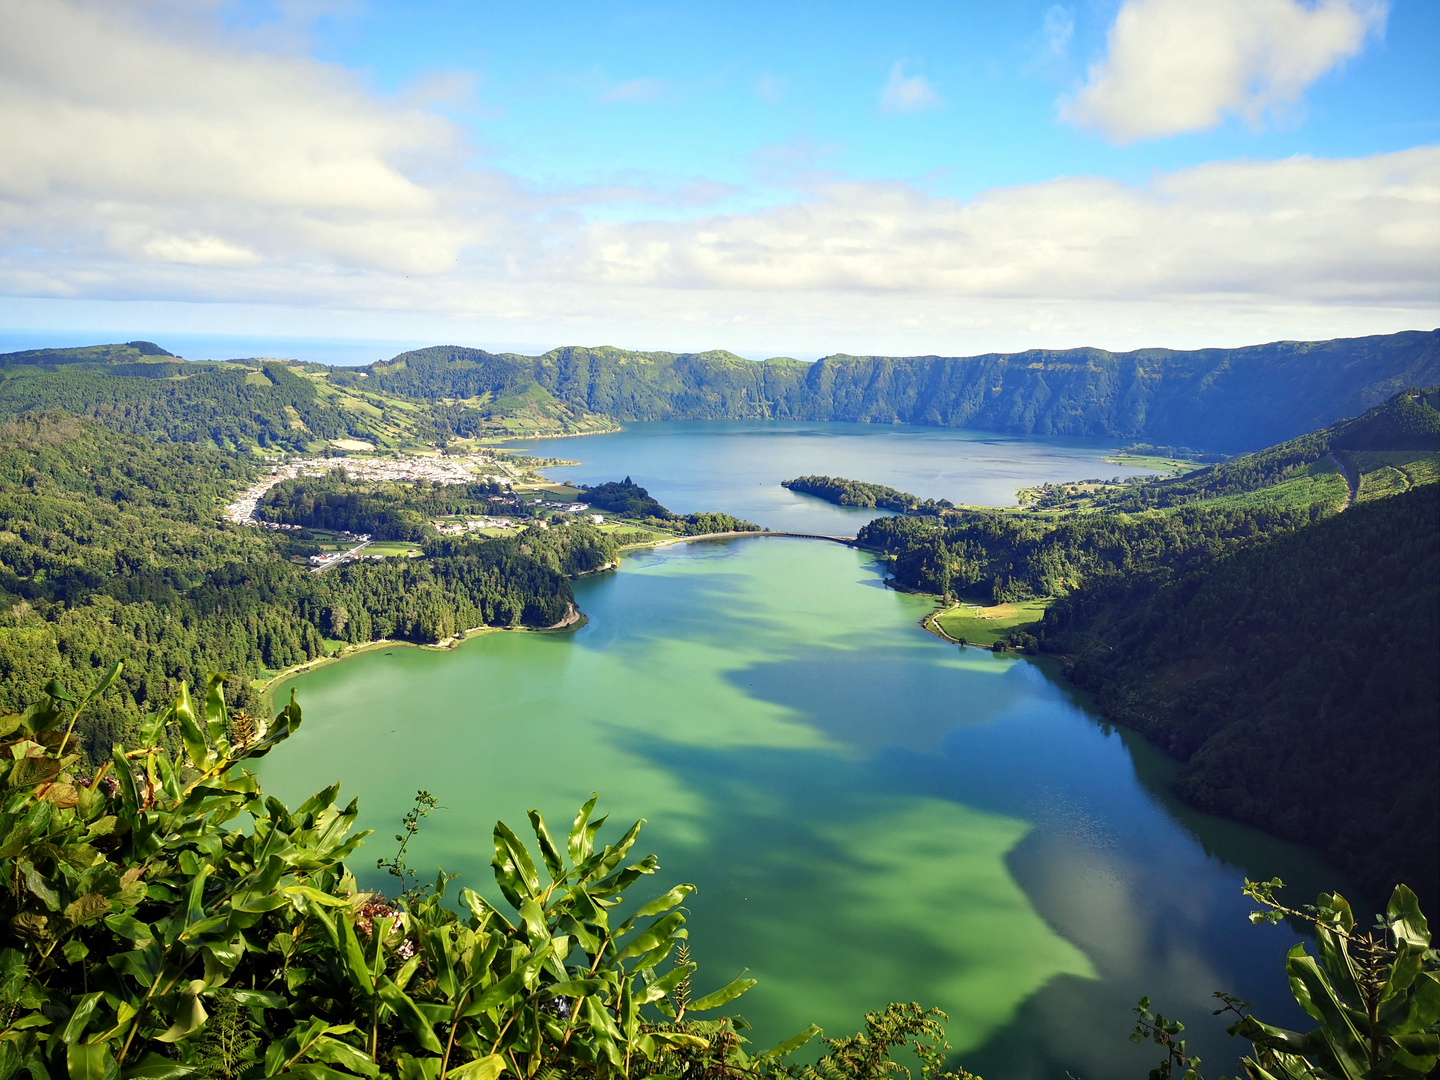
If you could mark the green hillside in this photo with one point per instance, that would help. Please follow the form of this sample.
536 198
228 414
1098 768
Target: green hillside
1216 399
1295 677
262 404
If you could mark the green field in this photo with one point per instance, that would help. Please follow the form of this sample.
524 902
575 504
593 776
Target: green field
400 548
1173 466
977 625
1384 473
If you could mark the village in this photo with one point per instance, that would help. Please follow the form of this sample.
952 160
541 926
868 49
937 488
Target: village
352 547
435 470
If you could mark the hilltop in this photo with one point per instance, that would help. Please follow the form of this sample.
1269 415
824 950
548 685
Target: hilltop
286 405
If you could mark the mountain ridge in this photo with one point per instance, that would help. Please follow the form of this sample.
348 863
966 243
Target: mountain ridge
1231 400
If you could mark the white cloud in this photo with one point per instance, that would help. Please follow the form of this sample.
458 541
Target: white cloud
1183 65
907 93
166 148
143 166
1358 230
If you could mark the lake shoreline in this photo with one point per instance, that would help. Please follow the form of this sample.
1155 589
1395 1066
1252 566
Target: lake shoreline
574 620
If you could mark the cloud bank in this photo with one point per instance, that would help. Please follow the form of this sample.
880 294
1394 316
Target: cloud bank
147 166
1180 65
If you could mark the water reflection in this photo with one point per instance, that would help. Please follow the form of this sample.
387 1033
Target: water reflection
869 814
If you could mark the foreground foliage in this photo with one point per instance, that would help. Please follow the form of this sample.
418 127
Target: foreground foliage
164 919
1375 995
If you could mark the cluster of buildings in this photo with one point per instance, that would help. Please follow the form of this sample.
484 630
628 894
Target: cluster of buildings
455 528
442 470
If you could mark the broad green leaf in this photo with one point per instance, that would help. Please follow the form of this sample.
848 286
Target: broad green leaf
355 963
189 1013
190 734
481 1068
409 1015
127 926
497 994
667 982
790 1045
334 1052
514 870
582 833
80 1018
154 1067
314 895
217 725
548 851
661 903
723 996
418 1068
654 936
105 683
88 1061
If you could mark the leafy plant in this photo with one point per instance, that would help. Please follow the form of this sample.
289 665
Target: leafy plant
1375 993
139 901
396 865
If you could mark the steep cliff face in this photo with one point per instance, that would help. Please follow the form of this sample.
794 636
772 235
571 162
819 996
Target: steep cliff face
1218 399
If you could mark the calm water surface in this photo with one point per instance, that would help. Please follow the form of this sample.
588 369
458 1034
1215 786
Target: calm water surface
737 465
870 814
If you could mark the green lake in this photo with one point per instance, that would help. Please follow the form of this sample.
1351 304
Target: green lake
869 814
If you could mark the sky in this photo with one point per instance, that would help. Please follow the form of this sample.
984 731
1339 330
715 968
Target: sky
348 178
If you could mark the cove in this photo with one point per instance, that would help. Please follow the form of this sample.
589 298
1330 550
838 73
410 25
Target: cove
869 814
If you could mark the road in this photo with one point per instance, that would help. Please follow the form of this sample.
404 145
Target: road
1352 482
341 559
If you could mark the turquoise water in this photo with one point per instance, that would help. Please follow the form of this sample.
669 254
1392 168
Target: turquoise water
869 814
737 465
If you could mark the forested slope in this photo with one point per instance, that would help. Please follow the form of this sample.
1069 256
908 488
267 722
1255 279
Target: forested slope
1218 399
1296 678
110 549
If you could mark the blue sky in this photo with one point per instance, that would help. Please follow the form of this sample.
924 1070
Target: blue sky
779 178
738 93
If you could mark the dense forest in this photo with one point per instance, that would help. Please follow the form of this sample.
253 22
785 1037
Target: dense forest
1283 649
629 500
843 492
110 549
1295 677
1211 399
1006 557
386 511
